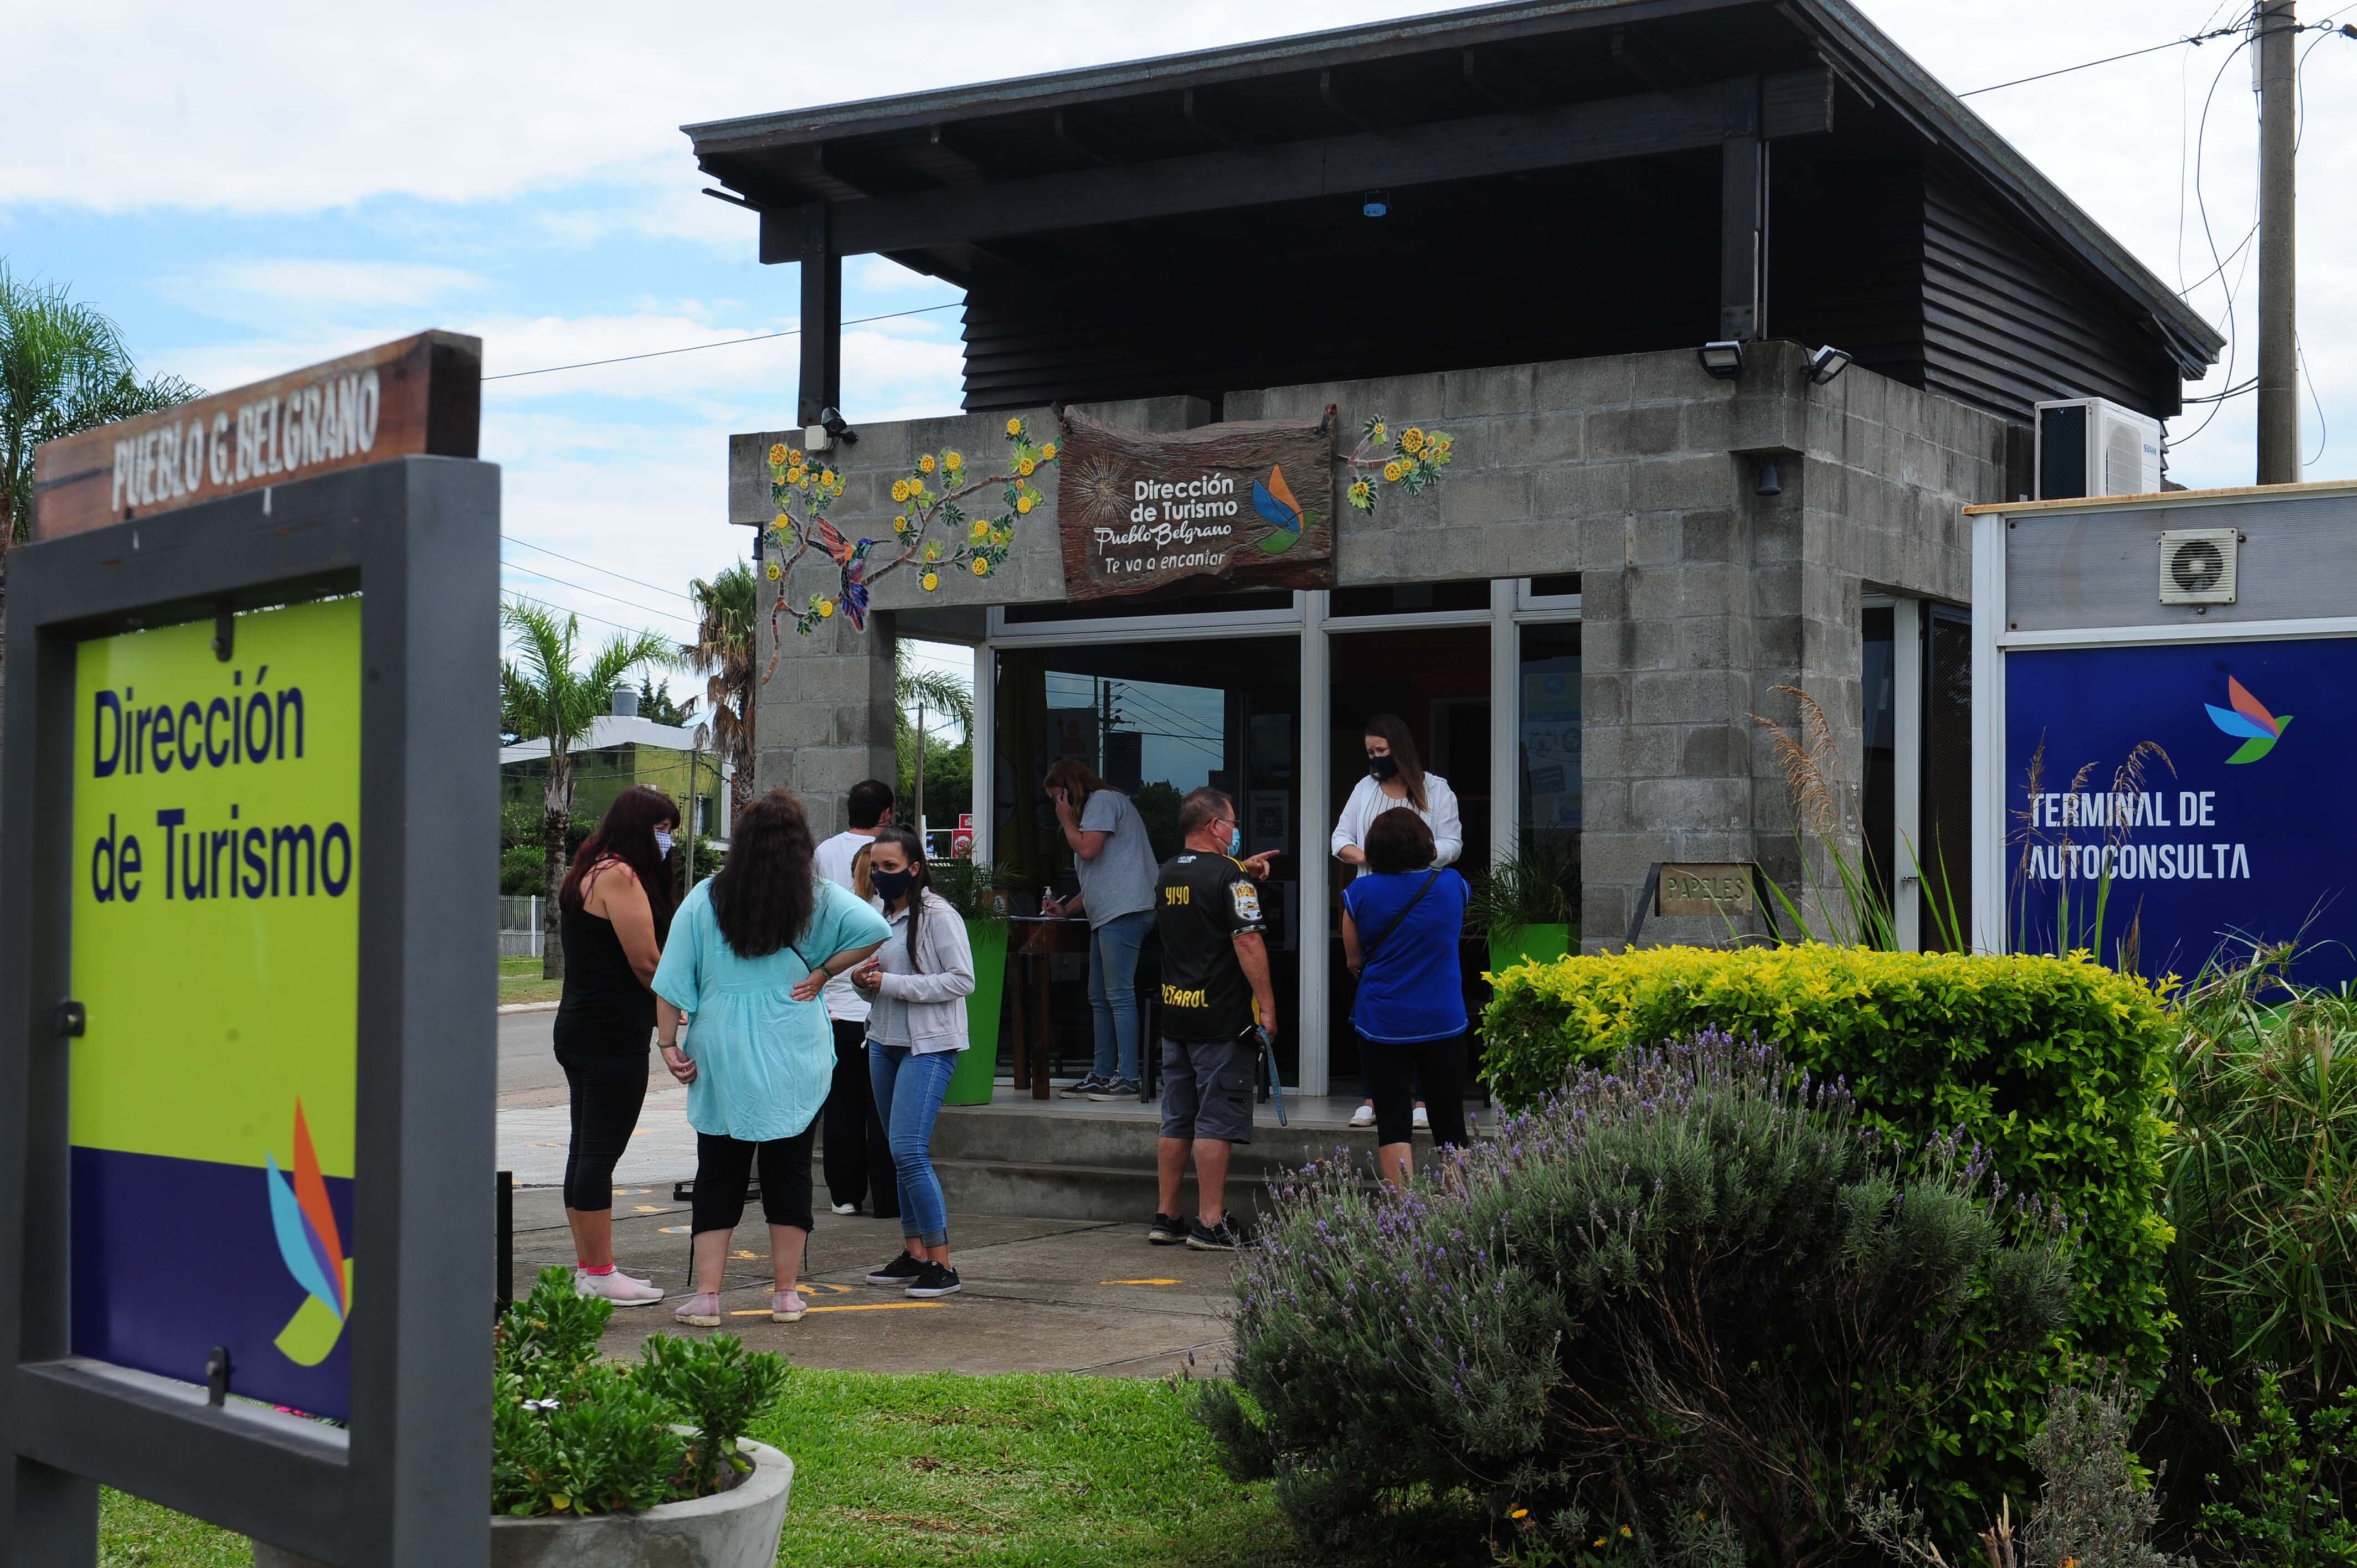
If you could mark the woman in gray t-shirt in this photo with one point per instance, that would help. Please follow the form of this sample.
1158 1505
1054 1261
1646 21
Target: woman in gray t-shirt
1115 862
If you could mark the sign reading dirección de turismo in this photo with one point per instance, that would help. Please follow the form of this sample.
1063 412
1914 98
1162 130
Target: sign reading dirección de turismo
2172 781
216 950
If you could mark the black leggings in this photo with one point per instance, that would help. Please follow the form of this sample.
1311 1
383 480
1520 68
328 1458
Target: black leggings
1393 1071
722 1164
608 1093
857 1158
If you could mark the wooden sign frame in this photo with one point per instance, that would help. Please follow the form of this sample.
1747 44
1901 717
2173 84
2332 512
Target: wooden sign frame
416 397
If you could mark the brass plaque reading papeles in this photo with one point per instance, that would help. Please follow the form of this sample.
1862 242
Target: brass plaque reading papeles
1705 889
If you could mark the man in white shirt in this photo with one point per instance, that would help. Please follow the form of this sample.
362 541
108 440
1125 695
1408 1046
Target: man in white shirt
858 1158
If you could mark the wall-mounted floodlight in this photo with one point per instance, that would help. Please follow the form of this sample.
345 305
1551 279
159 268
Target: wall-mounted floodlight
1826 363
1723 360
1378 204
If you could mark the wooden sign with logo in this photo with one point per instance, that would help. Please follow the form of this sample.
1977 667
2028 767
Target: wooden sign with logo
419 396
1706 889
1242 505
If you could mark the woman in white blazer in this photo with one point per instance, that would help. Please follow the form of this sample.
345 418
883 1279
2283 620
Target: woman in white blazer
1396 778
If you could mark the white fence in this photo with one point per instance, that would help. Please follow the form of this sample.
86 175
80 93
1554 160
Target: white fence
520 928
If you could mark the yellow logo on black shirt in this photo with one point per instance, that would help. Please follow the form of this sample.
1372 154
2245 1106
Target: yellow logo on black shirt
1172 996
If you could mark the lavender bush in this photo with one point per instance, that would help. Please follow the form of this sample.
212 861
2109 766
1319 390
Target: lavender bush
1683 1311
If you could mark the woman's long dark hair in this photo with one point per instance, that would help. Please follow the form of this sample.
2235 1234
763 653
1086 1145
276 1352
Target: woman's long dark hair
764 896
1391 727
909 845
627 833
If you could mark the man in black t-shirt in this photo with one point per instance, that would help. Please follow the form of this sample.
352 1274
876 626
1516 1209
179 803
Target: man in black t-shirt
1217 1007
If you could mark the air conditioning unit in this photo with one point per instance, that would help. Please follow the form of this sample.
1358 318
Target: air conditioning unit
2093 446
2197 566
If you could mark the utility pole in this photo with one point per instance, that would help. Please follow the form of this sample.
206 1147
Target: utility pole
920 770
2275 28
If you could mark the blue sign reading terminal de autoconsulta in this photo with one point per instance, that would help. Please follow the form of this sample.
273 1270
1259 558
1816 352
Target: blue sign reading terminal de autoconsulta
2233 824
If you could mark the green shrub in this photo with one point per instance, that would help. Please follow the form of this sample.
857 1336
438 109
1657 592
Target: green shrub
573 1434
2288 1505
1688 1285
2053 1065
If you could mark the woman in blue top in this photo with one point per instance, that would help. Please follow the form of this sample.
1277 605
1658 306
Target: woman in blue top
750 951
1401 923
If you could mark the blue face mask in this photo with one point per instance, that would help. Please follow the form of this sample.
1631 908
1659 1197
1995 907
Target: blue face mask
1235 841
662 842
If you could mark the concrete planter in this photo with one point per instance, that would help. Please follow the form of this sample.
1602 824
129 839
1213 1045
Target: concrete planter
738 1529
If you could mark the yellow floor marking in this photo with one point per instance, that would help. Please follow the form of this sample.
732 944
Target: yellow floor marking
848 1306
673 1229
744 1255
1141 1282
548 1145
646 1209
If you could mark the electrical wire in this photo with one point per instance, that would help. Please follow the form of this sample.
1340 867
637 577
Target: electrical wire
609 570
2222 396
2089 65
2202 206
584 614
724 343
585 589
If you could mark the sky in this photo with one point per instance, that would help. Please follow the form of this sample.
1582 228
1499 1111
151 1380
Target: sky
252 188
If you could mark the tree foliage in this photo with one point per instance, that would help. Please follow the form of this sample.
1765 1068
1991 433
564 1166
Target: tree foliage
726 606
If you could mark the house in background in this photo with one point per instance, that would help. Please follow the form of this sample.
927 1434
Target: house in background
622 749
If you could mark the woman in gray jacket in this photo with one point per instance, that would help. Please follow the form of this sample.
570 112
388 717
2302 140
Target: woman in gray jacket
917 981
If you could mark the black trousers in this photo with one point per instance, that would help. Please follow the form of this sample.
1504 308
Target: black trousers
608 1093
858 1154
722 1164
1393 1072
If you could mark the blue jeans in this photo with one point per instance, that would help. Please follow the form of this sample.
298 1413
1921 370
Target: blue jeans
908 1090
1113 990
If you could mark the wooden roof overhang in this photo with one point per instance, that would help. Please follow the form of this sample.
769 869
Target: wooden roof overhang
1261 139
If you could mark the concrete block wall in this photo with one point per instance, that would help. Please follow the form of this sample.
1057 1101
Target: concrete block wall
1701 596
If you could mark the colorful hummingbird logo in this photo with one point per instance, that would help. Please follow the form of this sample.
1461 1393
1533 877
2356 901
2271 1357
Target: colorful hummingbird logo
2249 719
313 1252
1274 500
853 559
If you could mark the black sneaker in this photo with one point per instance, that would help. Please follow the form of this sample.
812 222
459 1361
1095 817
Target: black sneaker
898 1272
1115 1088
1083 1089
1222 1238
1168 1230
934 1279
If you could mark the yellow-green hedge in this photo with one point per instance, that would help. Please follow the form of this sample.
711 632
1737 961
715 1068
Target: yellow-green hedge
2053 1064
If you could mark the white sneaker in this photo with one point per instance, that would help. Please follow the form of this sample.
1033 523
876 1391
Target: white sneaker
1364 1116
846 1209
1422 1122
617 1288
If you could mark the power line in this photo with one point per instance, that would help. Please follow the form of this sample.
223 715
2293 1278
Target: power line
584 614
609 570
724 343
585 589
2195 38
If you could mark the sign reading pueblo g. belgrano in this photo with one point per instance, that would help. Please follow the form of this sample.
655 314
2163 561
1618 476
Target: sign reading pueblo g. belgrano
1242 505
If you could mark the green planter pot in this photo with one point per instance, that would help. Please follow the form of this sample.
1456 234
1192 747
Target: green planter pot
1538 944
977 1066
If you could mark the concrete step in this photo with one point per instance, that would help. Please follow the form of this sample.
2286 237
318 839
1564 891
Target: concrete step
1120 1194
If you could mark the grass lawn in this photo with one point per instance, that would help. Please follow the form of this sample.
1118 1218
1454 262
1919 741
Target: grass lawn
520 981
1037 1470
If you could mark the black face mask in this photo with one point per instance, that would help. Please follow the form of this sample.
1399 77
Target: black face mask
890 884
1381 769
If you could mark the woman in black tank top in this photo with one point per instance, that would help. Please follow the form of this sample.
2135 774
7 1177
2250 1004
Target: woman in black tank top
612 914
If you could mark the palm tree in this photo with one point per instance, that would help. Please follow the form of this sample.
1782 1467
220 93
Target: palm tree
723 652
63 368
563 703
938 695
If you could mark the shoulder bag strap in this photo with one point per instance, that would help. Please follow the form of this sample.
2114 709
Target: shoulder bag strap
1367 949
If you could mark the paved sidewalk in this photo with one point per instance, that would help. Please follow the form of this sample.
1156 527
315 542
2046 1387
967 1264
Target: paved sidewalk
1040 1294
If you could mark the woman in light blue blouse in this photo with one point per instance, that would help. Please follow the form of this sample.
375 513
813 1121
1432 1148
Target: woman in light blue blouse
750 951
